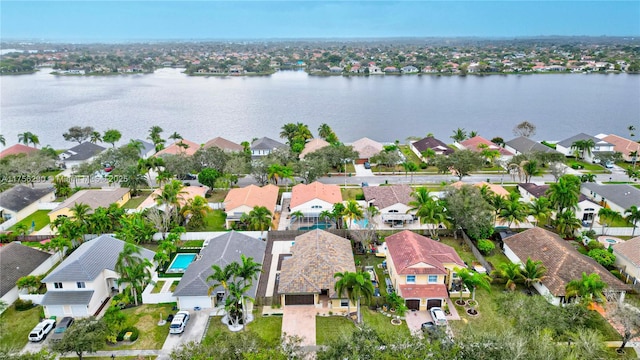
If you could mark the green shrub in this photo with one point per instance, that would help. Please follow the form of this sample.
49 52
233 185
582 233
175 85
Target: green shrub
602 256
423 165
22 305
486 246
359 196
134 333
594 245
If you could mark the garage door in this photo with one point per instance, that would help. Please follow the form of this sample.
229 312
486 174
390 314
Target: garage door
413 304
434 303
190 302
298 299
79 311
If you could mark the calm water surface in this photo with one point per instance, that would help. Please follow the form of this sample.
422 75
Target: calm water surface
384 108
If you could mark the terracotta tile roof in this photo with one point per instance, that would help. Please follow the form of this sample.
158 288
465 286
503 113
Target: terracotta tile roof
94 198
17 149
252 196
496 189
174 149
313 145
432 143
189 193
366 147
472 144
385 196
630 249
224 144
303 193
416 254
563 262
316 256
433 291
620 144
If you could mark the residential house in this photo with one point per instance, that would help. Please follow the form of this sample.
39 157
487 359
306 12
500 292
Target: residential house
601 146
224 145
494 188
392 202
562 261
374 69
628 259
335 69
240 201
195 289
587 210
622 145
312 199
86 279
21 201
477 143
422 270
93 198
524 145
617 197
147 149
18 149
366 148
391 70
313 145
264 146
79 154
182 147
16 261
307 276
187 193
409 69
429 142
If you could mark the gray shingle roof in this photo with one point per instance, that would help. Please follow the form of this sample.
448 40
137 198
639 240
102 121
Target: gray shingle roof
90 259
61 297
83 151
16 261
582 136
622 195
20 196
221 251
526 146
266 144
147 147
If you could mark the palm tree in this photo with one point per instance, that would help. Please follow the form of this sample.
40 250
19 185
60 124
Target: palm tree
513 212
247 271
325 216
99 222
324 131
28 137
566 223
175 136
259 218
530 168
2 140
222 277
362 287
459 135
62 186
80 213
133 179
608 217
95 137
171 196
195 211
338 214
632 154
509 272
353 211
298 215
473 280
540 209
565 193
430 212
587 288
633 217
127 267
164 251
583 147
532 272
344 285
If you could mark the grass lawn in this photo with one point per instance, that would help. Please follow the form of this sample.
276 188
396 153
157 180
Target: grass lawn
134 202
461 248
41 218
267 328
145 318
371 260
174 286
382 325
217 196
409 154
620 223
214 221
15 326
51 174
158 286
586 166
193 243
351 193
332 328
139 357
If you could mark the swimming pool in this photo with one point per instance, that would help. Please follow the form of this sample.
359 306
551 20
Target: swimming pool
180 263
362 223
320 225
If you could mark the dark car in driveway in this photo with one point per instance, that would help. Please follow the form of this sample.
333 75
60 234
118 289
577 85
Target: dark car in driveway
367 165
62 326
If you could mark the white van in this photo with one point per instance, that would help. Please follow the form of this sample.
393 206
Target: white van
41 330
179 322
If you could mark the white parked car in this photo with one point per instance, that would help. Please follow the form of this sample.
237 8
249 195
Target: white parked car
179 322
41 330
438 316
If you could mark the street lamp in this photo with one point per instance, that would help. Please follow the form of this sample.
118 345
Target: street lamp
345 171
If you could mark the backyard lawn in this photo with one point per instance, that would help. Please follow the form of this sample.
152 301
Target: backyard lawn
329 328
352 194
217 196
145 318
134 202
267 328
15 326
40 217
382 325
214 221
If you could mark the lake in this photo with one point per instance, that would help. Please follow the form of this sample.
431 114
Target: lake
383 108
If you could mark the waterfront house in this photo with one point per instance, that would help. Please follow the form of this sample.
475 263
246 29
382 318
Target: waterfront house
224 145
240 201
18 149
622 145
391 70
477 143
617 197
181 147
264 146
422 270
429 142
375 70
312 199
79 154
601 146
524 145
628 259
195 289
563 262
147 149
16 261
93 198
409 69
87 279
313 145
307 276
21 201
366 148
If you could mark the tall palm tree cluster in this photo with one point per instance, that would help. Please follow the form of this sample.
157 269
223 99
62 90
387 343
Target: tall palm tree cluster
356 285
531 272
297 135
235 279
71 230
133 270
428 209
258 219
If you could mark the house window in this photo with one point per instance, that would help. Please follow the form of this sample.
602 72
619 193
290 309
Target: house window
433 279
57 285
81 285
344 302
411 279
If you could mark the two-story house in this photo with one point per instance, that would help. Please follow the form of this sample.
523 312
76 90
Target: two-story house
264 146
392 203
312 199
422 270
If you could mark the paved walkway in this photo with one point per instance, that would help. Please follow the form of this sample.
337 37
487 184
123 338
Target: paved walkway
300 320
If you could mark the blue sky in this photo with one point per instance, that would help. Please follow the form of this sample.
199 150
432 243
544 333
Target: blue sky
147 20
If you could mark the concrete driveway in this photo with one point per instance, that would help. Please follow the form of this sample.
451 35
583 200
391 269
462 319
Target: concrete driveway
415 319
300 320
193 331
35 347
361 171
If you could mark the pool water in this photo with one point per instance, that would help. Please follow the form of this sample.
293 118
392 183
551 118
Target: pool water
180 263
362 223
320 225
611 241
